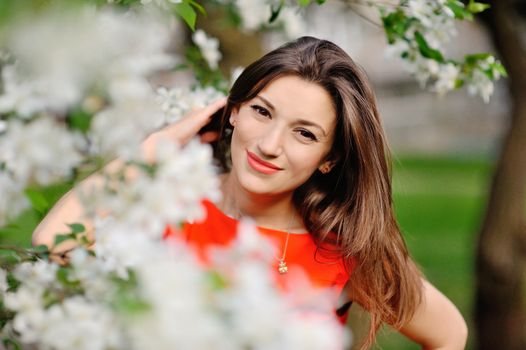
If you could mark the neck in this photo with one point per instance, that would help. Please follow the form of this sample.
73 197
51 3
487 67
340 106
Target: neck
267 210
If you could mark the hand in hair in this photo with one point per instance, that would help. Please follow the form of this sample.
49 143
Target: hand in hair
69 208
193 123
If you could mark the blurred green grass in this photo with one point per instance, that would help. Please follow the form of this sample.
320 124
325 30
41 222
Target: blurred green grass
439 203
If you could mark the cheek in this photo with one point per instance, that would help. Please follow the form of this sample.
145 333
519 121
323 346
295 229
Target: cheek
245 130
241 136
306 159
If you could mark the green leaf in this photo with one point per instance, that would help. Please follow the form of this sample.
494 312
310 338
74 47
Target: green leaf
275 12
459 10
62 275
187 13
459 83
20 229
41 249
11 344
12 283
216 280
76 228
396 25
56 191
474 58
10 259
426 50
64 237
500 68
37 199
132 305
304 2
476 7
198 6
80 120
320 2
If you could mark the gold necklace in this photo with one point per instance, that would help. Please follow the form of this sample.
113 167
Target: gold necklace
282 266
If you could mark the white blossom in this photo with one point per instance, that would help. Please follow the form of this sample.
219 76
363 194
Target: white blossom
29 308
38 275
121 246
253 14
164 4
13 200
436 20
208 46
118 131
293 22
3 281
30 95
447 78
56 67
91 272
179 301
80 324
480 84
256 15
31 150
178 101
183 177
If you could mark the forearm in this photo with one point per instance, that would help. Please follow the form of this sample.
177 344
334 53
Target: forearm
437 323
67 210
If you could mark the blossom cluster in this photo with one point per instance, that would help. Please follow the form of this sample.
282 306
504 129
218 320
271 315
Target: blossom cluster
177 101
257 15
167 300
418 30
100 64
208 46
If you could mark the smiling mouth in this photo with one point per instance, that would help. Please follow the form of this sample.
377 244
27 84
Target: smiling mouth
260 165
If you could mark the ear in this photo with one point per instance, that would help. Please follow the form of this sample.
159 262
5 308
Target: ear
233 116
326 166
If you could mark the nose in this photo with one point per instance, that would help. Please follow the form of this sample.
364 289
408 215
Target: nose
271 141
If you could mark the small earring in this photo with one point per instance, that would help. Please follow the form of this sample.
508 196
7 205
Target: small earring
325 169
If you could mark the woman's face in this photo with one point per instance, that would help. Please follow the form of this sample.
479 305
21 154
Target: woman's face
282 136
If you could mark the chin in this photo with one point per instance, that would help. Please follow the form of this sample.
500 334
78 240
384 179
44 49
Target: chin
254 185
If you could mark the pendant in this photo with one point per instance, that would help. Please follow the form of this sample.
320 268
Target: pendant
282 267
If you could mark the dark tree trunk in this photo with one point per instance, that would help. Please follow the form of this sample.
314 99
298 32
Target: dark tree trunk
500 306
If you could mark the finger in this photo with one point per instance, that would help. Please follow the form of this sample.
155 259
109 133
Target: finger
189 126
209 110
201 117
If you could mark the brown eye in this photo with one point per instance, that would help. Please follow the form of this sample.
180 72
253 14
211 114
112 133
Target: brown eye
261 110
307 134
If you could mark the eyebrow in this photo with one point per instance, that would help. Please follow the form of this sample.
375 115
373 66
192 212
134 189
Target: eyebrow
300 121
267 102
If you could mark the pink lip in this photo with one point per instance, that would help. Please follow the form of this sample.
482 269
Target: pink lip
260 165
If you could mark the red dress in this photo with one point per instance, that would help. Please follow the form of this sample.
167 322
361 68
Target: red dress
301 255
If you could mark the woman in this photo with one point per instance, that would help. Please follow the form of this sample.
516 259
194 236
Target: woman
303 151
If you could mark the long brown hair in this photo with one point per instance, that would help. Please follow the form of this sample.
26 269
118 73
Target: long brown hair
353 201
